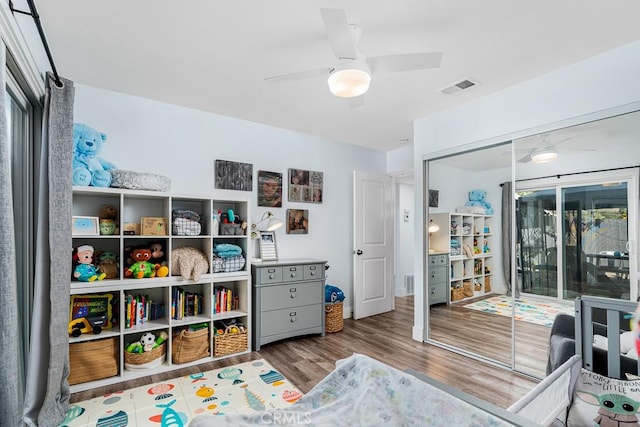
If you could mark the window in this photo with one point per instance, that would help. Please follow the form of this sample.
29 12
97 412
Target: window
23 123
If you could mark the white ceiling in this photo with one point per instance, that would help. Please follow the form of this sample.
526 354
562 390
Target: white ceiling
215 55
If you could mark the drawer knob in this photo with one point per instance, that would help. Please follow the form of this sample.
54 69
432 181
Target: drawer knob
293 319
293 274
293 295
313 273
271 276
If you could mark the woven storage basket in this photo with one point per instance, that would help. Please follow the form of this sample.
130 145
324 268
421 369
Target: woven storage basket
139 361
93 360
487 284
229 343
188 346
457 294
333 321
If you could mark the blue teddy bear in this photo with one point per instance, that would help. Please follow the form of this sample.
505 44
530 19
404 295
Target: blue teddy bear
88 169
477 198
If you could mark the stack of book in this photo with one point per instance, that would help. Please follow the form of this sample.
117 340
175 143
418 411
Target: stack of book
225 299
140 309
185 303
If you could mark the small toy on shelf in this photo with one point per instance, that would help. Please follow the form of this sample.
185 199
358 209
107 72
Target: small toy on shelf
476 248
108 215
142 268
108 264
157 254
486 249
85 271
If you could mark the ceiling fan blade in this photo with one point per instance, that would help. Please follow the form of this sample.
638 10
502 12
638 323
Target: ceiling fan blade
308 74
525 159
339 33
404 62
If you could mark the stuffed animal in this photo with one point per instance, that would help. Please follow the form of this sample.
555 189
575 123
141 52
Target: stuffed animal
188 262
157 253
85 271
108 215
478 198
88 168
142 268
108 264
148 341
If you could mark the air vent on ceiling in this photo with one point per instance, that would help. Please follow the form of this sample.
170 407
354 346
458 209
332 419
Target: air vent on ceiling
458 86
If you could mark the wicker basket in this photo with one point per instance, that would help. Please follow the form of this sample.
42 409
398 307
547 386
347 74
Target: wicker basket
230 343
188 346
487 284
145 360
333 321
457 294
93 360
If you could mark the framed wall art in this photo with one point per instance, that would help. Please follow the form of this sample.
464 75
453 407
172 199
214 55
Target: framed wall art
433 198
269 189
233 175
297 221
268 249
85 226
305 186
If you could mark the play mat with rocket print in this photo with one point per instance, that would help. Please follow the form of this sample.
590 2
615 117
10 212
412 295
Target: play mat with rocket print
239 389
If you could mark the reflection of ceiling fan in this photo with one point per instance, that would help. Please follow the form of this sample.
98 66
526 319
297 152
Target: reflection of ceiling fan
547 151
350 75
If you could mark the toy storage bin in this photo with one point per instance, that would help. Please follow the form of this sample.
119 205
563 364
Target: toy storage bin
333 321
147 360
230 343
93 360
188 346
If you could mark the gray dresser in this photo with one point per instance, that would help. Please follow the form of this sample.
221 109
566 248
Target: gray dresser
288 299
438 283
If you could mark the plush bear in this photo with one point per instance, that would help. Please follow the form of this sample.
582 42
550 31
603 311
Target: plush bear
478 198
188 262
88 168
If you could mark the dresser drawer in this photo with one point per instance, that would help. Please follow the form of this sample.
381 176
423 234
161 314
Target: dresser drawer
313 271
269 275
438 260
282 296
437 274
292 273
292 319
437 293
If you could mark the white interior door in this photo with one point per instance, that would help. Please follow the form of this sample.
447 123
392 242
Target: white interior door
372 245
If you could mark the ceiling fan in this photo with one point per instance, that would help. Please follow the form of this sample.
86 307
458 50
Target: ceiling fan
350 75
547 151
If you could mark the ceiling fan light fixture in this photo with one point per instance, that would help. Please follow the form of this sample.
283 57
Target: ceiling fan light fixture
349 80
544 156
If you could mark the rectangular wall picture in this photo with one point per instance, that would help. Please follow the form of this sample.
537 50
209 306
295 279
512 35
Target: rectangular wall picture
305 186
270 189
297 221
233 175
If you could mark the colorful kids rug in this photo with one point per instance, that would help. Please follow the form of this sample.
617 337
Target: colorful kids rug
528 310
243 388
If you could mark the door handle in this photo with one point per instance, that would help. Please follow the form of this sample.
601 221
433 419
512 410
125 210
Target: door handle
358 252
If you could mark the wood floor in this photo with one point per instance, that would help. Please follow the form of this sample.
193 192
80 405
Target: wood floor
386 337
490 336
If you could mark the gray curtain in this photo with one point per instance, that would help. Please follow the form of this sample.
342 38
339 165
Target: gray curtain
10 384
47 391
507 229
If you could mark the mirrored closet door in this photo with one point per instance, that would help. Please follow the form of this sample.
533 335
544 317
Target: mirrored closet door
467 294
518 230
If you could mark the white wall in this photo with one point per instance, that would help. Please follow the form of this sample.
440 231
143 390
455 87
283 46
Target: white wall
182 143
607 81
405 246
